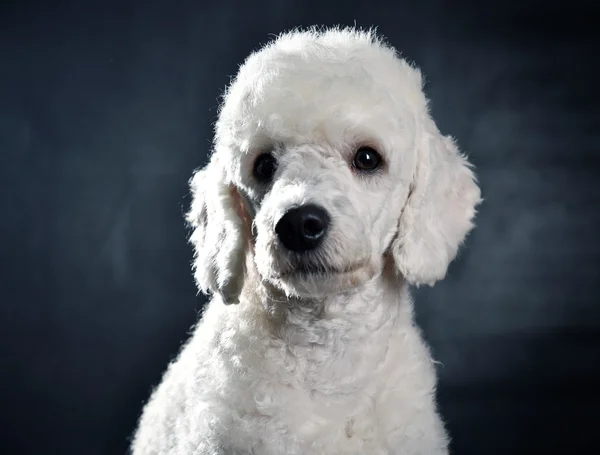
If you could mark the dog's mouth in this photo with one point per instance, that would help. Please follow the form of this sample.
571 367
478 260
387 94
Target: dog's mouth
303 270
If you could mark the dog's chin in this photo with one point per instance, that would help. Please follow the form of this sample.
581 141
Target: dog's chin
319 282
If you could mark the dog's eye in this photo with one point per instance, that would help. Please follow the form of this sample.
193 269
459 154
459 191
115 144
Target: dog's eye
366 159
264 167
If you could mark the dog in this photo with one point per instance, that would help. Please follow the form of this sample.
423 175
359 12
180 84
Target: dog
329 191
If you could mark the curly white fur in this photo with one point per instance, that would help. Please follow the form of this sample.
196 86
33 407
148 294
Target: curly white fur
324 363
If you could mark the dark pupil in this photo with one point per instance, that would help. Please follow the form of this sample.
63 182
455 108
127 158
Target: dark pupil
366 159
265 167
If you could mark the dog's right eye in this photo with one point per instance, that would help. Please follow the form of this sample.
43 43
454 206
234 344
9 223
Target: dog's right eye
264 167
366 159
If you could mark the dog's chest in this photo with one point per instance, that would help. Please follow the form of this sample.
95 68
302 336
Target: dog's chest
313 401
306 422
335 394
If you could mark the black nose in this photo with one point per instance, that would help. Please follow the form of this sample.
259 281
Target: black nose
302 228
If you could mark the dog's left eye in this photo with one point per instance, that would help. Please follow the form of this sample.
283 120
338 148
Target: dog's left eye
366 159
265 167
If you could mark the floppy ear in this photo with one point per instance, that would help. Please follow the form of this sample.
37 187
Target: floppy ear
439 211
218 234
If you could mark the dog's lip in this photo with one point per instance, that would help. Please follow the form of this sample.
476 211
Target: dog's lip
321 270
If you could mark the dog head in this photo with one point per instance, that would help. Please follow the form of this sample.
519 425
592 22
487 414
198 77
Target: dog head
326 160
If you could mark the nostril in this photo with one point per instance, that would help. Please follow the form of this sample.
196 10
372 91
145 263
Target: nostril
314 227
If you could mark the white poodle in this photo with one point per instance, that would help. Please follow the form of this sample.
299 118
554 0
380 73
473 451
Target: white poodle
329 191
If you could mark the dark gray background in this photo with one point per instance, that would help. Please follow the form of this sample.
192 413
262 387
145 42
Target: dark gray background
107 107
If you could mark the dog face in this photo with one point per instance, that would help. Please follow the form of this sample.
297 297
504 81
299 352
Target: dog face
325 159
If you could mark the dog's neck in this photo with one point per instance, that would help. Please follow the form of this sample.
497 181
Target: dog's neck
342 339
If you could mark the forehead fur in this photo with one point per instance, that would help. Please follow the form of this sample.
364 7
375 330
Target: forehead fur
317 82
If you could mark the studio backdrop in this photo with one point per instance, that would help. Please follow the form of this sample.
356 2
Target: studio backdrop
106 108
